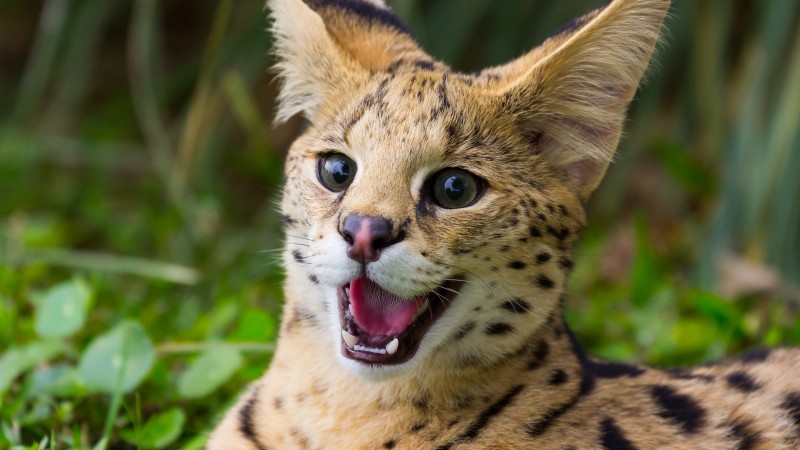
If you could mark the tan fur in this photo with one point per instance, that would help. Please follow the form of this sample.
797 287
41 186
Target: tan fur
499 369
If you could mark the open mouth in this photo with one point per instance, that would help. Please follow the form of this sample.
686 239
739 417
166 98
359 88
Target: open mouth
379 327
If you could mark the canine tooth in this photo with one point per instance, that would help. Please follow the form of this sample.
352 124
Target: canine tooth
350 307
391 347
349 339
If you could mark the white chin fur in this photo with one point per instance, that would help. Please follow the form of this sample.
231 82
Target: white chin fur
374 372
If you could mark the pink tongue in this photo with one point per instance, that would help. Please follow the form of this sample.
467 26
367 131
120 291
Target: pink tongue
378 311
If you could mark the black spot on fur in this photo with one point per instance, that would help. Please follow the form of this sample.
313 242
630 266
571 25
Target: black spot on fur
517 265
505 248
608 369
748 438
558 377
484 417
679 409
417 427
561 234
287 220
313 279
498 328
755 356
792 406
464 330
544 282
423 211
539 356
742 381
246 421
535 232
542 258
540 426
565 263
612 437
421 402
685 374
424 65
301 317
390 444
297 256
516 305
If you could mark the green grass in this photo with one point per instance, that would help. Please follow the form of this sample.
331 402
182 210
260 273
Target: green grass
139 175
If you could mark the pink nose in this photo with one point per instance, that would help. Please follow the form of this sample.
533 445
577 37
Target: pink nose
367 236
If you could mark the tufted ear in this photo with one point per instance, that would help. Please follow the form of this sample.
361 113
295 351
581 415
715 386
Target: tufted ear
329 47
569 96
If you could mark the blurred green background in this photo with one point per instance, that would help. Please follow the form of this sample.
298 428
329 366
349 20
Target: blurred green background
139 174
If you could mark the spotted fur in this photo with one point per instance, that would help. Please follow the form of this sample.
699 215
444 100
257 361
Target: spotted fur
499 369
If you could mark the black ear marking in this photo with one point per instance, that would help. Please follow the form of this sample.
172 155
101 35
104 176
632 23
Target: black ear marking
363 9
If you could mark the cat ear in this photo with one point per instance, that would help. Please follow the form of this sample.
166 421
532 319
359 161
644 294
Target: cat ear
569 96
327 48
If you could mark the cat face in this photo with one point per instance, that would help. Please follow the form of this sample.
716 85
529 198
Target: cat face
472 207
429 210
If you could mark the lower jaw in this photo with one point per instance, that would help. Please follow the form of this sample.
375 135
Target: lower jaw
382 350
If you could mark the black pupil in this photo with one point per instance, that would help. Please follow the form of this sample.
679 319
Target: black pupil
339 170
454 187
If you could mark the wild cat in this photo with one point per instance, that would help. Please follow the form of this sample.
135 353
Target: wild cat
430 217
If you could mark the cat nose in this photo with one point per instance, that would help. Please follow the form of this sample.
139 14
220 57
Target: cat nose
367 236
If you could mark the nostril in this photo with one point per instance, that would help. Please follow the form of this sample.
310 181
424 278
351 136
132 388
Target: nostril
348 238
379 243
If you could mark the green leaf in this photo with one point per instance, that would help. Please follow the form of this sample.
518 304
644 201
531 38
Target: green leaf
119 359
255 325
208 372
159 431
62 310
17 360
60 380
196 443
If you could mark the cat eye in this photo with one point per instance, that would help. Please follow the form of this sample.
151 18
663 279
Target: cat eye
336 171
455 188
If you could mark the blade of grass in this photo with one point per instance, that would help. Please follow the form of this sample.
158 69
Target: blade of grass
246 110
42 60
200 113
170 348
102 262
78 61
144 92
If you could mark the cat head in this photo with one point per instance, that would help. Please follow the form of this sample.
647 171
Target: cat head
432 212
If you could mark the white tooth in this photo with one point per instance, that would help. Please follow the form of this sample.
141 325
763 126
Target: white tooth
349 339
351 309
391 347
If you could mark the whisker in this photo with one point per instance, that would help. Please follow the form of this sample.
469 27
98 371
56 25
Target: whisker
299 237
